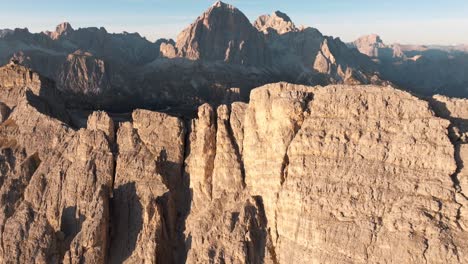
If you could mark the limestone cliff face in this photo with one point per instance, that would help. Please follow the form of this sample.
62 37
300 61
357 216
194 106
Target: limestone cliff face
336 174
56 185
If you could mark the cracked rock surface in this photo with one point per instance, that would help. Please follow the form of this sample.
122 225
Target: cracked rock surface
300 174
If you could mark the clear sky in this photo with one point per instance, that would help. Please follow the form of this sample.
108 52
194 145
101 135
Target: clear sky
404 21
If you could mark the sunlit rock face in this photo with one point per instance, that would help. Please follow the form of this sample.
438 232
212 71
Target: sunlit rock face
222 33
332 174
344 173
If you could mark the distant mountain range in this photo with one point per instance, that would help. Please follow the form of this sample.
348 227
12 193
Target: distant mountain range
221 57
423 69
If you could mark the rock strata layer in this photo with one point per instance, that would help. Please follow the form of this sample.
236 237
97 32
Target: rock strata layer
335 174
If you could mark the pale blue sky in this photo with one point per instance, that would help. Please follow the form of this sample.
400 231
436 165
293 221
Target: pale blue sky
404 21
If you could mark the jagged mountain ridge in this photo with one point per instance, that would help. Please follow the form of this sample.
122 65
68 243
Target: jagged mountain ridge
430 69
221 40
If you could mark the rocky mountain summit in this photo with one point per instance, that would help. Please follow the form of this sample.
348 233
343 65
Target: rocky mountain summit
335 174
62 30
374 47
222 33
278 21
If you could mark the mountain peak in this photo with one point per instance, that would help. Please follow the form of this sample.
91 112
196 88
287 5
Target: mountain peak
371 38
62 29
222 5
222 33
282 15
373 46
278 21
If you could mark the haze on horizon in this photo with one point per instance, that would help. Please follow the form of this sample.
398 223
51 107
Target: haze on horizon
398 21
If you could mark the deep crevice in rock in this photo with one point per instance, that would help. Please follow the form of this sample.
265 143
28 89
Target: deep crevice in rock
269 246
235 144
184 200
440 110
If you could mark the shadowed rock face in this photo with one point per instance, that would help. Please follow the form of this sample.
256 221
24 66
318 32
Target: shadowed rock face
336 174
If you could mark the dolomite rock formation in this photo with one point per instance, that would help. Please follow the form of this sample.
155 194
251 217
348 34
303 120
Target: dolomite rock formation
222 33
349 132
63 29
82 73
148 173
56 181
278 21
336 174
327 60
101 121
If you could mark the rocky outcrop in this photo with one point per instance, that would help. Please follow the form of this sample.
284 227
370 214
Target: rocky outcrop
15 81
54 184
378 132
374 163
225 224
101 121
455 110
